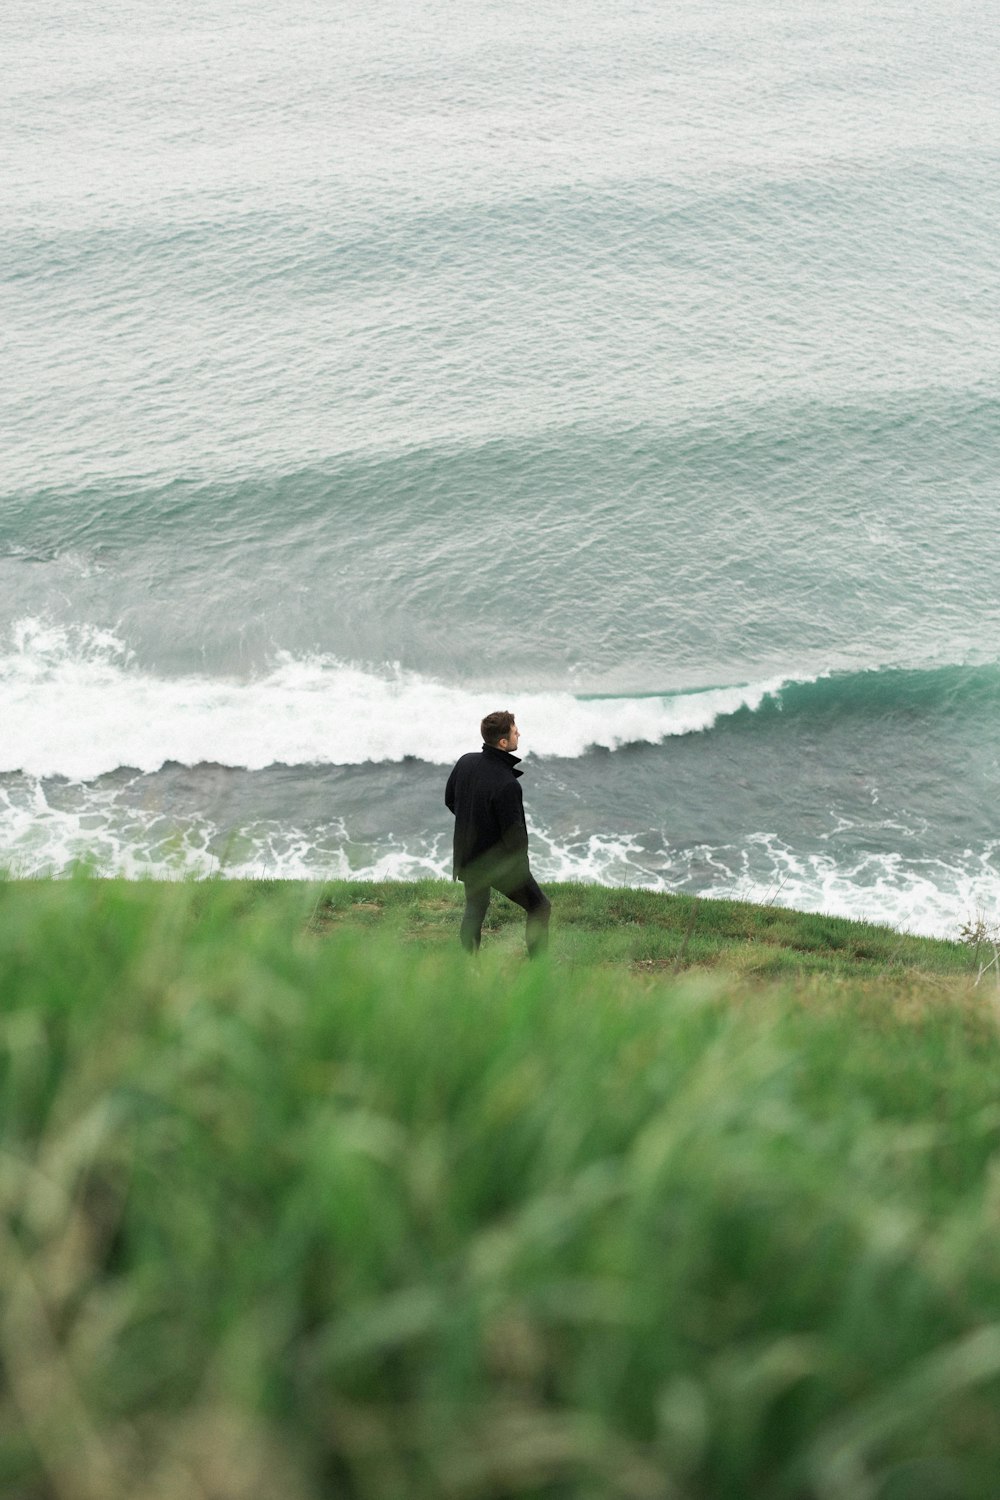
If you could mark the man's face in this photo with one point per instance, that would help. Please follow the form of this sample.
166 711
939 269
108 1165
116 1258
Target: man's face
510 739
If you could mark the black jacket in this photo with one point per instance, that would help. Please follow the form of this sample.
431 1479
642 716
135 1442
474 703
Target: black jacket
491 837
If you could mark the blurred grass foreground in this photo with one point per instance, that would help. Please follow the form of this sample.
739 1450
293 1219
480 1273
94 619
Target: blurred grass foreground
297 1202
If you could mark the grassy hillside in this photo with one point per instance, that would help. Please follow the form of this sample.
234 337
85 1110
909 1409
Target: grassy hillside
648 931
296 1201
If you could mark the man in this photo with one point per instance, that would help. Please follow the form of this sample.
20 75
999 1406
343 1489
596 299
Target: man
491 837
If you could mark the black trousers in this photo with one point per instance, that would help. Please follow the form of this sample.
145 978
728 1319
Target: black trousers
529 896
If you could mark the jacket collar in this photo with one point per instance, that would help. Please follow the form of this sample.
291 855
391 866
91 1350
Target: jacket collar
505 756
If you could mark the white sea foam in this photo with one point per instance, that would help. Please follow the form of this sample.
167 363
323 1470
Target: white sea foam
41 836
930 897
44 834
74 703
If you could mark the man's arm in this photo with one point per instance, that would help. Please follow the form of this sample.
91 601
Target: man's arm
449 791
508 805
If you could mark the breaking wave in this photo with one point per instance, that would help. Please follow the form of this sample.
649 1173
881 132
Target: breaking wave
75 703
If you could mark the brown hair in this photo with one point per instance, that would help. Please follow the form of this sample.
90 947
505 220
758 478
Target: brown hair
496 726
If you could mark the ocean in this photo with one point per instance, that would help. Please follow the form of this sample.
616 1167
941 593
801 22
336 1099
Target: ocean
635 368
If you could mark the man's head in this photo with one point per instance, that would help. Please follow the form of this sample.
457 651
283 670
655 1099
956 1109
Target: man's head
499 730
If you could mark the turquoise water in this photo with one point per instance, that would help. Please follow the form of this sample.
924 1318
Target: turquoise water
635 370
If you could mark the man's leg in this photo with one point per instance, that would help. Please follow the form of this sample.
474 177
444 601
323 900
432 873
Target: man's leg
477 899
537 908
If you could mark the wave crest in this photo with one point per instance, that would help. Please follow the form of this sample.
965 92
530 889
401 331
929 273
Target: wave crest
75 703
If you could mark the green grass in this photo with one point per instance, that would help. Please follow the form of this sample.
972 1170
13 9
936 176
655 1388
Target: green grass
297 1202
652 931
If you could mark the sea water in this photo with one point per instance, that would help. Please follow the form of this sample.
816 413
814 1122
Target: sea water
634 367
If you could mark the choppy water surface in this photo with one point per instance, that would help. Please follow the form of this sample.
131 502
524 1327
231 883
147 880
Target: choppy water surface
635 370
